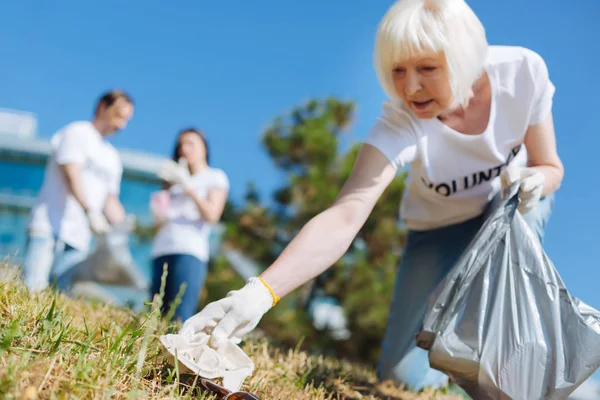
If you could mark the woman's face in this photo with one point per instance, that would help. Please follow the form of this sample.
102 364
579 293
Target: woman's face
192 148
422 82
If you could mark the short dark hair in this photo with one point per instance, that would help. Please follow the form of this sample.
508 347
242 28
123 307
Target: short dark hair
190 130
109 98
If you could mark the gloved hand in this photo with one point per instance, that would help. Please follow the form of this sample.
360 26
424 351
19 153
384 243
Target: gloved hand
530 189
232 317
175 172
98 222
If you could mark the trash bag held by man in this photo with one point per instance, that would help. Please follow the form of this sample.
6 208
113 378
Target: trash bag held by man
502 324
111 261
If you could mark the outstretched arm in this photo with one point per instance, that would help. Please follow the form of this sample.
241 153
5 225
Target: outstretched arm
327 236
320 243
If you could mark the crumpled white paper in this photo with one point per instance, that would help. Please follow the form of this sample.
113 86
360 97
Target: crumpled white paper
197 356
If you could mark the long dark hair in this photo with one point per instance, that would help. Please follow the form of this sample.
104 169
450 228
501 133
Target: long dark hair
178 145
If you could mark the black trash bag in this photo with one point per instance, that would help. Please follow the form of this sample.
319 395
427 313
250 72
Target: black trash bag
502 324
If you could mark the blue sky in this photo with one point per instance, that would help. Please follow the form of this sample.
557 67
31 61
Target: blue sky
231 67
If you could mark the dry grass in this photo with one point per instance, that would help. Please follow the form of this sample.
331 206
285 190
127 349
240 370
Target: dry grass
53 347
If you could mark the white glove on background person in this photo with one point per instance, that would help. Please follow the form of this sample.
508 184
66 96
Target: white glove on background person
530 189
98 222
195 355
175 172
232 317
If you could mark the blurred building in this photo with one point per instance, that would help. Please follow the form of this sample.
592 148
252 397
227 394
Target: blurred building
23 157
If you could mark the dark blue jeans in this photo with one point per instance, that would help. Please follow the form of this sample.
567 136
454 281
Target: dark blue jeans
181 269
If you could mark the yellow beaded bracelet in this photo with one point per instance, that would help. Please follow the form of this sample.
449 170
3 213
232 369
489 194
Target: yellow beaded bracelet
275 297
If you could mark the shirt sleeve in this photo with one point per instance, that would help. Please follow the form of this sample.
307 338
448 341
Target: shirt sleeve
220 180
72 147
543 88
394 136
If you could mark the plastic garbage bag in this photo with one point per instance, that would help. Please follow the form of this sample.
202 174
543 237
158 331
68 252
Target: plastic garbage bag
111 262
502 324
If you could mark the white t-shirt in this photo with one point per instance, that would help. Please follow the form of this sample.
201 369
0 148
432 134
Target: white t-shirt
452 175
57 212
185 231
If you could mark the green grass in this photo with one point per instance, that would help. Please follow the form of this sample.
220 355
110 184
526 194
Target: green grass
55 347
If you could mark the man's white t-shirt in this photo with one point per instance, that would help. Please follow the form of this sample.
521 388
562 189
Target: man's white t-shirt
57 212
453 176
185 231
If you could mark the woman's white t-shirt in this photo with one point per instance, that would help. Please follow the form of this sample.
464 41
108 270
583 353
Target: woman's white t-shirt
452 175
185 232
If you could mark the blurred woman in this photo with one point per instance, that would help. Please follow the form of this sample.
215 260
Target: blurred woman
185 212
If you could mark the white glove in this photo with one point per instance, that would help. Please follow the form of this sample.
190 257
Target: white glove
195 355
175 172
530 189
232 317
98 222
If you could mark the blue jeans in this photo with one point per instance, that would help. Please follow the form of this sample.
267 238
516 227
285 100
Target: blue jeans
428 257
181 269
49 259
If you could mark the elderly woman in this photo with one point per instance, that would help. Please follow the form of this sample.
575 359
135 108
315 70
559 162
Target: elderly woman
460 114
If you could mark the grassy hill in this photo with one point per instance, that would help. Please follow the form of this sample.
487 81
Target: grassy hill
54 347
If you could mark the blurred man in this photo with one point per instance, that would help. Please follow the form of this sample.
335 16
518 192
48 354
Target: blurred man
79 195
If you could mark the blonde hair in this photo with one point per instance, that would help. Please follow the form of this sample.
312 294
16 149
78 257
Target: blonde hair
449 26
